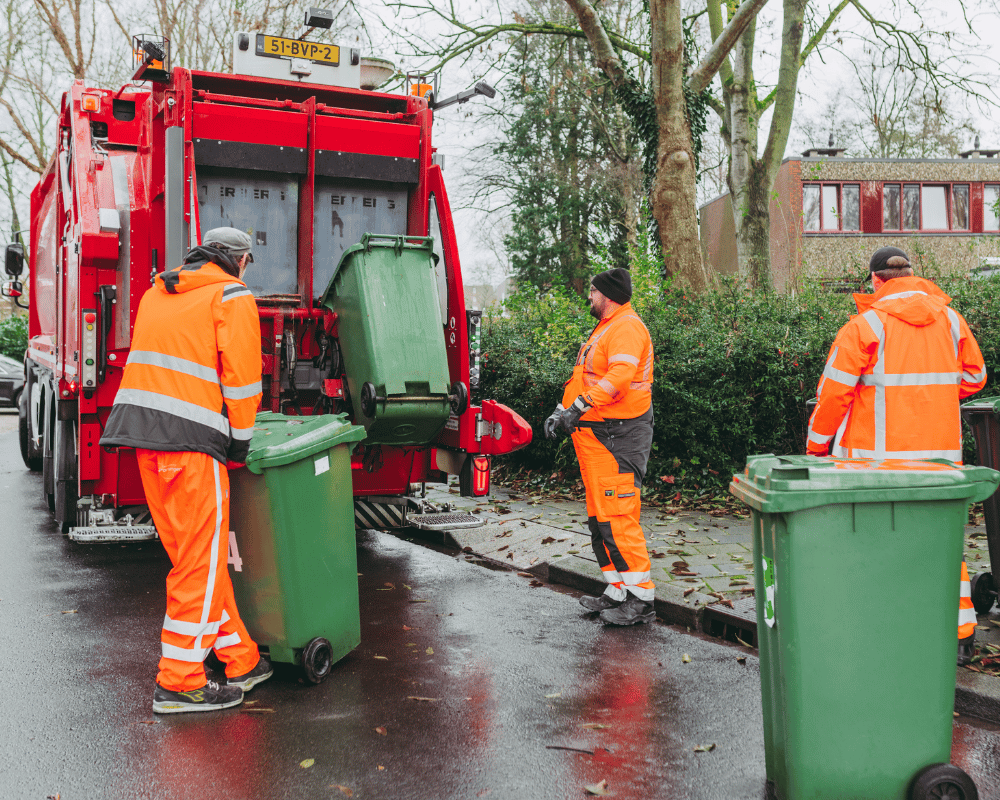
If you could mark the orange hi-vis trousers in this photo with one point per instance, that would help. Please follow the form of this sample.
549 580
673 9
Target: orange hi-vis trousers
188 496
966 612
613 455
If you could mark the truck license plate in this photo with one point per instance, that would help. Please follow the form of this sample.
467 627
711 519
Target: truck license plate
277 47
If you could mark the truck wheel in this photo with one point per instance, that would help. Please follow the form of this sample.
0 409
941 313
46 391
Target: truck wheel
942 782
317 659
64 462
29 453
983 592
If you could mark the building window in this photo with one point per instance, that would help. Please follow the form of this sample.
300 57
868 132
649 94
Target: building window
991 194
831 207
925 207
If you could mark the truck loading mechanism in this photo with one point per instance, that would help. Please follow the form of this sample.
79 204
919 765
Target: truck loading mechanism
330 179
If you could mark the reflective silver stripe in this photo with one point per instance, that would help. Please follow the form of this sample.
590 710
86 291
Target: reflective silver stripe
235 290
829 363
179 408
624 357
967 616
819 438
191 656
901 295
968 376
643 594
227 641
840 376
956 329
242 434
182 365
611 575
837 449
951 455
189 628
616 593
878 373
913 379
241 392
213 560
608 386
632 578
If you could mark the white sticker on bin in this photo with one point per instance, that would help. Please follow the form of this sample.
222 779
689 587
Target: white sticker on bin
322 464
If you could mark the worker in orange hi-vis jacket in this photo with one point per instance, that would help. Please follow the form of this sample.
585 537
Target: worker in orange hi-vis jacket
187 403
607 406
893 381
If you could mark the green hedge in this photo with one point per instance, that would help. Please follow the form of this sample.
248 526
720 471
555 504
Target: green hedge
14 337
732 374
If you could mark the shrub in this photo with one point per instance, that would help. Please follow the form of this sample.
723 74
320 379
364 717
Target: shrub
14 337
732 375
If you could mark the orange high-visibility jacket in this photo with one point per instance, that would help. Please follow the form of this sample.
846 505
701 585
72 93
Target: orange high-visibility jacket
614 369
192 382
895 375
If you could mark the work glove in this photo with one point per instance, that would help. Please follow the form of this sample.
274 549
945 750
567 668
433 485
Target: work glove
551 424
571 416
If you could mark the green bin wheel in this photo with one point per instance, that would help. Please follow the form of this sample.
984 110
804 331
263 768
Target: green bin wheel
942 782
984 592
317 658
459 398
369 397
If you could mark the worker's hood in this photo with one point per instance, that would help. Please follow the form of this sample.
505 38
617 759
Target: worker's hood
914 300
202 266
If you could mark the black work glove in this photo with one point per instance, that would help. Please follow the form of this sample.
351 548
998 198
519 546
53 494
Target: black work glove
551 424
572 415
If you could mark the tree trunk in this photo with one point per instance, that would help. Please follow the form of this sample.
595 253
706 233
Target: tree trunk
673 198
751 179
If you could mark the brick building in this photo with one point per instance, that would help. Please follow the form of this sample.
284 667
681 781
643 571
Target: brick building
830 213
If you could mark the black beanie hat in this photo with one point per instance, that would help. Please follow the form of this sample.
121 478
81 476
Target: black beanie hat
880 259
615 284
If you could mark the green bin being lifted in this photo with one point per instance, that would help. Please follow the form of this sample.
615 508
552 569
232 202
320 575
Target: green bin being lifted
857 697
392 337
293 557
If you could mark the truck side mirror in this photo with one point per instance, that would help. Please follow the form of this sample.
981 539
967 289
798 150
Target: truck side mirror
13 263
12 289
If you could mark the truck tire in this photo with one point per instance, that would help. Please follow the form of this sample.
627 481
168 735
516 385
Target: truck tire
30 454
64 462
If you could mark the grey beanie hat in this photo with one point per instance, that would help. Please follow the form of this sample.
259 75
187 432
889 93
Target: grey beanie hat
232 240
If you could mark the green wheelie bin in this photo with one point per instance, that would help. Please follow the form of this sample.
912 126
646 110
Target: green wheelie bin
392 339
858 698
292 549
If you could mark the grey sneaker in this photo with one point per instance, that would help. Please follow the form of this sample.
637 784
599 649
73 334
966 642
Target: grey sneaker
631 611
258 674
599 603
210 697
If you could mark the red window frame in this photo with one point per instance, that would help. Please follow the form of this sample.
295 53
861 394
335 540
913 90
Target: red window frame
840 206
988 185
949 187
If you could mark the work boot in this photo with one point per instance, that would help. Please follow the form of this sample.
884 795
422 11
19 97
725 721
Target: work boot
966 650
600 603
210 697
630 612
258 674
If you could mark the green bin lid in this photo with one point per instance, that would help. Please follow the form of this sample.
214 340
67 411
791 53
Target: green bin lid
779 484
982 404
279 439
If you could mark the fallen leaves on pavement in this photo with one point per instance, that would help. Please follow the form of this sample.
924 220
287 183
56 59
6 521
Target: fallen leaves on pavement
600 789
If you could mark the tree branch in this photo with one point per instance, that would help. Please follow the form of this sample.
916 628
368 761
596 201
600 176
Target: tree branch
702 75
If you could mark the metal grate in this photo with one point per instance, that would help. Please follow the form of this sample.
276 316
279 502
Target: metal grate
729 623
113 533
439 522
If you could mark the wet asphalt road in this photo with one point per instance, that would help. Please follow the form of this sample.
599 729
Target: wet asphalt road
516 680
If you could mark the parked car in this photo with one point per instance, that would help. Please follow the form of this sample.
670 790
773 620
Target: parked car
11 381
